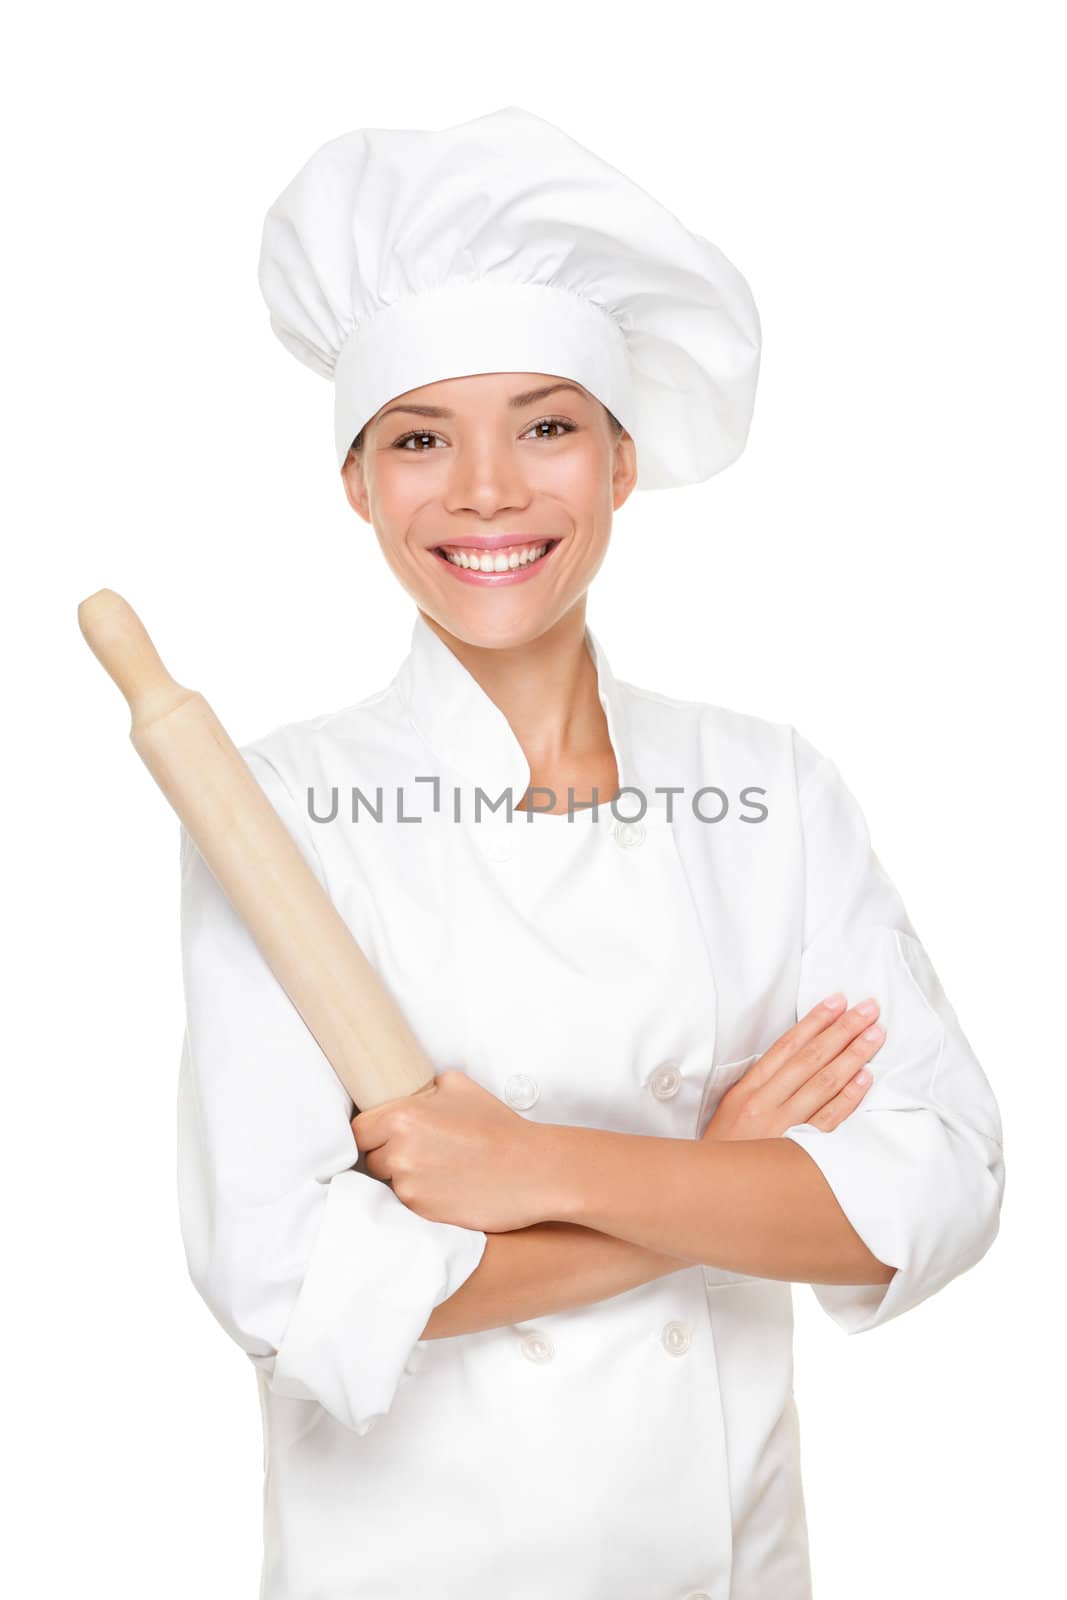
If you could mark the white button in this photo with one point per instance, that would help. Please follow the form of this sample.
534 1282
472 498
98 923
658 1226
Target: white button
521 1091
675 1338
665 1081
629 834
537 1347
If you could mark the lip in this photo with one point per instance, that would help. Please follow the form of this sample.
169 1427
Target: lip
492 580
492 541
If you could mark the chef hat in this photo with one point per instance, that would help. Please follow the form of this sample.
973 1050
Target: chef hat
398 257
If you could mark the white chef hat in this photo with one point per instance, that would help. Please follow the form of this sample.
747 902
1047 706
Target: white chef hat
399 257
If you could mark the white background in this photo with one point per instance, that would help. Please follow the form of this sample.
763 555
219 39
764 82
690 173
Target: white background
880 568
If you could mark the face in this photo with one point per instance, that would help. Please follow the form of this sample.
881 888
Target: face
519 472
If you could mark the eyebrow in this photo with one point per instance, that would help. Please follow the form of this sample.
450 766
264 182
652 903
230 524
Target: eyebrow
516 402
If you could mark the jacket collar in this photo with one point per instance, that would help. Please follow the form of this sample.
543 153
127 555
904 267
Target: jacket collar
469 732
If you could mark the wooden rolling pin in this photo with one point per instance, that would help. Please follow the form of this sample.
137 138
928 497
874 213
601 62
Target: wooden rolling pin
303 937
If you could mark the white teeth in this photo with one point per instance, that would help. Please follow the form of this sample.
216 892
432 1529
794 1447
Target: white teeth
498 561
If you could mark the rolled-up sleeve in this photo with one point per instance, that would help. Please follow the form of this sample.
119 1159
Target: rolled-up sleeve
317 1270
918 1167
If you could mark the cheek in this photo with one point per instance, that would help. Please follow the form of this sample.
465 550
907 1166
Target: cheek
395 502
581 480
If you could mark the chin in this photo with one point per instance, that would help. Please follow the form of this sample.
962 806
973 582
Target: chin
507 629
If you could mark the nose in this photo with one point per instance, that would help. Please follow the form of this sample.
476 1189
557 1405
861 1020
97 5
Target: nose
485 480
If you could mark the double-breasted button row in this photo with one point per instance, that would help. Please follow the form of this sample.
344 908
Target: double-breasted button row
538 1347
521 1091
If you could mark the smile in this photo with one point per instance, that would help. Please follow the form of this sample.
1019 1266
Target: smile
507 564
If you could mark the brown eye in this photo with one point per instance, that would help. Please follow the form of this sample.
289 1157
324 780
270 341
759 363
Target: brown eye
552 422
404 441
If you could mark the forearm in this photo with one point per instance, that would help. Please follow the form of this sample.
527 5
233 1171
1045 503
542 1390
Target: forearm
551 1266
756 1206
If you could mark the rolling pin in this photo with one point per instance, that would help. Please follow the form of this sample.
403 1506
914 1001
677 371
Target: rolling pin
301 934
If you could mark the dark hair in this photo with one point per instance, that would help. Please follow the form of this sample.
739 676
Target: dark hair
616 427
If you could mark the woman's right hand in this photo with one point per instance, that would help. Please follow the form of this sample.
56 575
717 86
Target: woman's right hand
816 1073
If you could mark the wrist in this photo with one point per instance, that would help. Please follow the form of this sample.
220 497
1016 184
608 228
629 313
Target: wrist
557 1168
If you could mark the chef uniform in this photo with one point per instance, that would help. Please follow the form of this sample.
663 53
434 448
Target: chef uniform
616 968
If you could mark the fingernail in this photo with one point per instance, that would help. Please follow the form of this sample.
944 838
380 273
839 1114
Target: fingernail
873 1033
867 1009
863 1076
834 1002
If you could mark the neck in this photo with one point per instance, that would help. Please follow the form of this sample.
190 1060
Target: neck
547 689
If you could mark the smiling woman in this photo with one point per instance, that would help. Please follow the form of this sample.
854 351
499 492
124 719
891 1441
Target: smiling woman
497 495
486 554
530 1332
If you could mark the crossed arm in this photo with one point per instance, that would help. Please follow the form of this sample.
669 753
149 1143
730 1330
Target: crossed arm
648 1207
617 1210
920 1167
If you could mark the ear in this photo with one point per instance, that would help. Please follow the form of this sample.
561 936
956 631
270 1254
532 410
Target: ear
624 474
355 484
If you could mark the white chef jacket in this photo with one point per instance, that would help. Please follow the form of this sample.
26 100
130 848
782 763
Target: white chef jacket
597 972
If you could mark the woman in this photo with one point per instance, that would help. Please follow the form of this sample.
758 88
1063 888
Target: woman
529 1334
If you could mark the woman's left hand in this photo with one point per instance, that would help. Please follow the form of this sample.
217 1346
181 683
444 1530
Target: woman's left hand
455 1153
